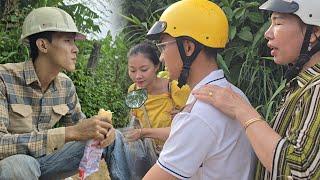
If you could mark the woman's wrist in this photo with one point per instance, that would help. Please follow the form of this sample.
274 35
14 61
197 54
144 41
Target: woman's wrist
141 133
245 114
252 121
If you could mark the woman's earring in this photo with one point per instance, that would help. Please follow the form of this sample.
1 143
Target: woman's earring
309 47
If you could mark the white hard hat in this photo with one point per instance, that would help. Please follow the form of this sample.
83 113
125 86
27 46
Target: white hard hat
307 10
49 19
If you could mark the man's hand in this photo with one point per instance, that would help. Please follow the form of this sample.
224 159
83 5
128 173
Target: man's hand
93 128
108 139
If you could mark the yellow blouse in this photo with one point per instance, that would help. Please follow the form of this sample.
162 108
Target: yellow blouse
159 107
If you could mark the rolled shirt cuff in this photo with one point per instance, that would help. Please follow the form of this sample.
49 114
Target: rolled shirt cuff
55 140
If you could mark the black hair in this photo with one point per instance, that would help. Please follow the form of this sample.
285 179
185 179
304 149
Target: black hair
148 49
34 51
211 52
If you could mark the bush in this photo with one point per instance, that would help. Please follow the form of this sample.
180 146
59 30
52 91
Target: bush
10 30
106 87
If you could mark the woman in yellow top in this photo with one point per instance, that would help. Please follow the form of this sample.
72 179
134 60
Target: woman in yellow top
164 97
133 160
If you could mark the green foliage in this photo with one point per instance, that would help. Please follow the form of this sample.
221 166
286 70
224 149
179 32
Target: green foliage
83 16
142 9
10 30
242 60
140 15
107 85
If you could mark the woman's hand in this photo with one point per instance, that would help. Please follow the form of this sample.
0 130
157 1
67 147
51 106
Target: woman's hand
262 138
132 135
227 101
174 112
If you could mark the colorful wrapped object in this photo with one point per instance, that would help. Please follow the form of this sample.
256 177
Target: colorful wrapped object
92 153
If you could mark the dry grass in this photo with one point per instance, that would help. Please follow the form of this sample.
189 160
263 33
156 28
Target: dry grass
102 174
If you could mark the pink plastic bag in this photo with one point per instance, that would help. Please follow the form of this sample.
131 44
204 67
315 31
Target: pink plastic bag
90 160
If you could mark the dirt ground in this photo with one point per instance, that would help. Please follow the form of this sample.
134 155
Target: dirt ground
102 174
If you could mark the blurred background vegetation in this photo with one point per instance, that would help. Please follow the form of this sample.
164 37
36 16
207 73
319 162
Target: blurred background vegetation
101 77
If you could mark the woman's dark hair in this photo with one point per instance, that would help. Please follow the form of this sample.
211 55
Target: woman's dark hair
148 49
34 51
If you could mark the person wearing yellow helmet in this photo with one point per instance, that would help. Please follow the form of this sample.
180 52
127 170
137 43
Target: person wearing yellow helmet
191 32
288 147
35 95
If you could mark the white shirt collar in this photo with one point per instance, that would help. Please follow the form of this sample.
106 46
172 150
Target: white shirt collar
214 75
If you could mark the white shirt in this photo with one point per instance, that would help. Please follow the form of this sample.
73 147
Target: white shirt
206 144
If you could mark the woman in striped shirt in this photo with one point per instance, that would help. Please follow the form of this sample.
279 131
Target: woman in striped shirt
289 147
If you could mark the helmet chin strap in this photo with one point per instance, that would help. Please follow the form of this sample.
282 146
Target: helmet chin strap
304 57
186 60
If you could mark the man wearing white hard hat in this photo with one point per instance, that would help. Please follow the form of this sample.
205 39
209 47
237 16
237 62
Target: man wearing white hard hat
35 95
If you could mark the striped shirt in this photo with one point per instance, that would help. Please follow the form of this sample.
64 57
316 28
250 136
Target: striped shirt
27 115
297 154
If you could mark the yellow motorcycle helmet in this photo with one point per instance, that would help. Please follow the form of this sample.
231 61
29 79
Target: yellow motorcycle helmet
48 19
202 20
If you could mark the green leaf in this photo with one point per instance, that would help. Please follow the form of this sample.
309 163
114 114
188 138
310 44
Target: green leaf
252 4
281 87
239 12
246 35
268 112
225 2
222 64
256 17
267 58
233 31
260 34
14 18
228 12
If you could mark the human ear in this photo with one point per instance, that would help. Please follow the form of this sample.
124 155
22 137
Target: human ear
189 47
157 67
42 45
315 35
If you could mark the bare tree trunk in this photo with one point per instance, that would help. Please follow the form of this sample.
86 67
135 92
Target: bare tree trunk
94 56
7 6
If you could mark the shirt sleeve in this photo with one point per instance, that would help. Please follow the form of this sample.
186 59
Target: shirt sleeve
298 154
184 158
